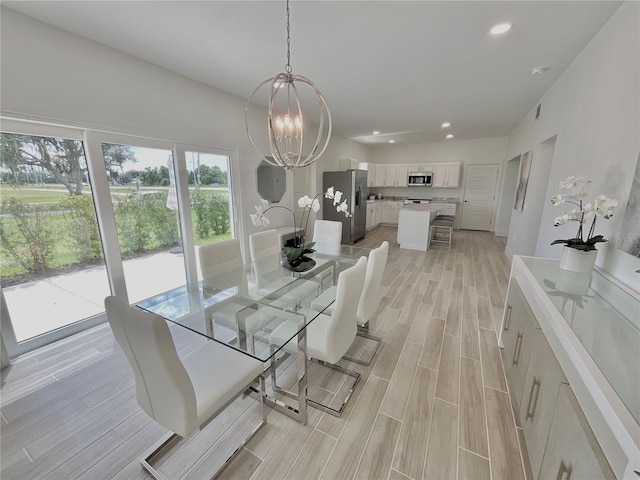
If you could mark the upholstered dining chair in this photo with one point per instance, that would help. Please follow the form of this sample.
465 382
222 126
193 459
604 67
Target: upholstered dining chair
330 336
182 395
369 299
265 251
226 258
328 236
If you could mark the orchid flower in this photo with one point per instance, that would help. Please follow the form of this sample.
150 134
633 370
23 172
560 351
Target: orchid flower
576 192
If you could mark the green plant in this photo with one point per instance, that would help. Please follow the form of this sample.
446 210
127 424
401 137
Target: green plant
131 222
82 227
31 242
212 213
162 221
575 190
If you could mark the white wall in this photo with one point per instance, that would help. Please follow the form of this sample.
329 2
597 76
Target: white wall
507 197
49 74
480 151
593 109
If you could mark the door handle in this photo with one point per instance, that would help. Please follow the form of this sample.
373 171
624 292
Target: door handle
508 319
516 350
530 412
564 468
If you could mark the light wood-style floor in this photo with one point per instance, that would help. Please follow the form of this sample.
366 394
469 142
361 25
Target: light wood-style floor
433 404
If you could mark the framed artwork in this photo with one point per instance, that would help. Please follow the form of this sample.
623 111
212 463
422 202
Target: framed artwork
629 241
523 178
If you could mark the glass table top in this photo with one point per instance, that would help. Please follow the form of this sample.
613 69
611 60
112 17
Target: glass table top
242 306
604 317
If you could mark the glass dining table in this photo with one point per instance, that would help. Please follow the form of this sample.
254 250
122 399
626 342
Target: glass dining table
241 307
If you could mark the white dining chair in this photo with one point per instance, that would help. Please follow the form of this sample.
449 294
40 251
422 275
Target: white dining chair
223 262
266 254
369 299
182 395
330 336
327 236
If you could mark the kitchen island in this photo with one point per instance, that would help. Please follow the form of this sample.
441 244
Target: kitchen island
414 225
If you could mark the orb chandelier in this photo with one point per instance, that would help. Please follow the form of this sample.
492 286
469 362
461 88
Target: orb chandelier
287 128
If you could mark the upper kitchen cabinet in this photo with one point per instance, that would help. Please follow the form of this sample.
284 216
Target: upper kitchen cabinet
396 175
349 164
446 175
420 167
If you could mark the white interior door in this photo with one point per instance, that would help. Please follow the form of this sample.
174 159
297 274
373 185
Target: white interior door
479 197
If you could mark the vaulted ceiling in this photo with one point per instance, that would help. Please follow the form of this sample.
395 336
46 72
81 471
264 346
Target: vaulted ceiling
399 67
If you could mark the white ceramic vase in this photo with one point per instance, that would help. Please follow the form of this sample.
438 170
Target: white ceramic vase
578 261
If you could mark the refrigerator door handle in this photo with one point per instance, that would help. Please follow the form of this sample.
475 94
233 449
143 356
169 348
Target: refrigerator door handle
357 202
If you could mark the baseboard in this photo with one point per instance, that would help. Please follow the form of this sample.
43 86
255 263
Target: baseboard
501 234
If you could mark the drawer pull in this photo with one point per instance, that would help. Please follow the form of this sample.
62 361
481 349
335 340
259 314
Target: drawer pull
564 469
507 320
517 348
531 412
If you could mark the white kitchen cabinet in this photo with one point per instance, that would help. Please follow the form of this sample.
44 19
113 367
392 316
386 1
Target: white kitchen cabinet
518 333
402 175
539 396
420 167
386 214
446 175
371 176
374 212
578 404
572 451
380 174
349 164
396 175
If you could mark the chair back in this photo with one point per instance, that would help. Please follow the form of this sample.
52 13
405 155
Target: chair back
163 387
343 329
264 244
328 236
370 299
222 266
265 255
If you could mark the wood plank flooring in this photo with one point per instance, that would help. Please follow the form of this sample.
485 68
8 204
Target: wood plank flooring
433 403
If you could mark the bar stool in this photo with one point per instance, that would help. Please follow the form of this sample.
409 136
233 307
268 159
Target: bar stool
442 228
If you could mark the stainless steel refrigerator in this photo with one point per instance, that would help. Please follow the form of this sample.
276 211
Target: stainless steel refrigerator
353 185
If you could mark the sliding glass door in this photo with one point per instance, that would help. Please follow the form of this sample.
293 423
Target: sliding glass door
52 268
87 214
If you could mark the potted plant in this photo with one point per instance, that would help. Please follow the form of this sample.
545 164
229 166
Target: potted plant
579 253
295 255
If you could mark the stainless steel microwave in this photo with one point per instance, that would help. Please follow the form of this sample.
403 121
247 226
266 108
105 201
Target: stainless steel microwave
419 179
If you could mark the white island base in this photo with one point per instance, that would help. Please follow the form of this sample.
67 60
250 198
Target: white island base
414 224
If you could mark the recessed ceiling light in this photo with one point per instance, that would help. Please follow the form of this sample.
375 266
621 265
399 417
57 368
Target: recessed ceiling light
500 28
392 141
376 132
450 135
539 70
446 125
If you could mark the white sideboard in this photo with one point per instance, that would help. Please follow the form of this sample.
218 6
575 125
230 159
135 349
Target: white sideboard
572 359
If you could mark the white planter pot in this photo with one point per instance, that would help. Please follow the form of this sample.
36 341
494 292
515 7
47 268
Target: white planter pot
577 260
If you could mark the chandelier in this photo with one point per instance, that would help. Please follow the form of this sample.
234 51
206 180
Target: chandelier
286 125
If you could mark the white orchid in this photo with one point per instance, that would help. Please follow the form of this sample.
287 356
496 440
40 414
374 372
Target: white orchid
577 189
308 204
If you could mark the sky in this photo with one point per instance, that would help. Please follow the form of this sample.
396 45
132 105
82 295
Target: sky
155 157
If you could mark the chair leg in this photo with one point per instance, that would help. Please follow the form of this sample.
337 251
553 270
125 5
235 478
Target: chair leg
364 332
164 444
329 410
174 438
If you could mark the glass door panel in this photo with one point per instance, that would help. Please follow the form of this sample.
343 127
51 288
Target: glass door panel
210 198
52 268
142 186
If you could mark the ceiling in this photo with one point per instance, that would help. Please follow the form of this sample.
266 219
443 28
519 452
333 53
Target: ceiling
400 67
